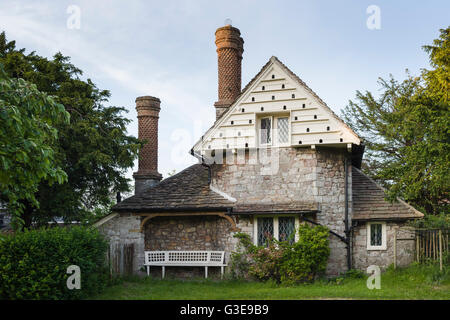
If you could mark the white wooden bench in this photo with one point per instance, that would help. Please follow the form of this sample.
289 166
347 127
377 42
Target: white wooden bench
185 259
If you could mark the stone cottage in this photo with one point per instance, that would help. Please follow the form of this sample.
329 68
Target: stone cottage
275 157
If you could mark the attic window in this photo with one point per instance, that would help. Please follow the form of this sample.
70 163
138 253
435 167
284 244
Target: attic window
266 134
273 76
304 106
307 129
282 86
264 88
293 96
284 107
315 116
273 97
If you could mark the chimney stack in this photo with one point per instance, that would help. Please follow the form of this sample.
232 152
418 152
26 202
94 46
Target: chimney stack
148 114
230 47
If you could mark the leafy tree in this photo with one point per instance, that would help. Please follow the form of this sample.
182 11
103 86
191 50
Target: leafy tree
94 150
406 132
27 133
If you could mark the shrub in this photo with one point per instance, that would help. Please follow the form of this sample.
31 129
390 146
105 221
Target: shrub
281 261
33 264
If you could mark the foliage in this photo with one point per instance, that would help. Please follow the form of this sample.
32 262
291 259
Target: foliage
27 137
406 131
93 150
33 264
441 221
281 261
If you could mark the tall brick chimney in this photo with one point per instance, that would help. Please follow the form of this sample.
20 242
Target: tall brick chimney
148 114
230 47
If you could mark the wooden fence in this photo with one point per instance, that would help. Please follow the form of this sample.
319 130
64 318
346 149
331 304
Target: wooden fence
432 244
120 259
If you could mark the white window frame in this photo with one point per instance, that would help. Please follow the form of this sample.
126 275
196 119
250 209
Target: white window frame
275 225
288 142
271 131
383 236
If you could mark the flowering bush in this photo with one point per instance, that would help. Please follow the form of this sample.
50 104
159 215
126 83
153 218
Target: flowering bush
281 261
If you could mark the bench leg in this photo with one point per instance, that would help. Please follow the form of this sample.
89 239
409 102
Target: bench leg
163 272
221 272
148 271
206 272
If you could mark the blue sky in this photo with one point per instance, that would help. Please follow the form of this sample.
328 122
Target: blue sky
166 49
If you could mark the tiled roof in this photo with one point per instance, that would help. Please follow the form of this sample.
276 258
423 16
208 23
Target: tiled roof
187 190
369 201
291 207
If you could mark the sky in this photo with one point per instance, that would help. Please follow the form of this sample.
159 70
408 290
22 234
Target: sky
166 49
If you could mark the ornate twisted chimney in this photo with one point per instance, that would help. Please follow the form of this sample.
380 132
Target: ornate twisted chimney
230 47
148 114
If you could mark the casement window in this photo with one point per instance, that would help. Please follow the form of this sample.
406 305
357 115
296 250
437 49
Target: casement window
278 125
283 130
281 228
266 131
376 236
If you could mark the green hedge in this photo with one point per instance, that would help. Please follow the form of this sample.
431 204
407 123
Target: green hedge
33 264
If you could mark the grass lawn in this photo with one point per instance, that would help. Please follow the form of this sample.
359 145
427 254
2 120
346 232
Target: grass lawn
416 282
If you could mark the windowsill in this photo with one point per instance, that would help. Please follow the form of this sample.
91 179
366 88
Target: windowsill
376 248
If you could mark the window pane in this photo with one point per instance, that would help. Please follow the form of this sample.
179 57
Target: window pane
266 126
286 229
375 234
283 130
265 230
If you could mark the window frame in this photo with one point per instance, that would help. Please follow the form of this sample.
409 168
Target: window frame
275 225
383 245
288 142
271 131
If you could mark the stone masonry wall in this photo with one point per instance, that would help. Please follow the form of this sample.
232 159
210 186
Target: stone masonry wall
302 175
124 229
362 258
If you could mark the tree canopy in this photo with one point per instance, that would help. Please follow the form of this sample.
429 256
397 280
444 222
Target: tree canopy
406 132
94 150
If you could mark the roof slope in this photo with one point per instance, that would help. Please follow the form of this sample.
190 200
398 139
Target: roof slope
369 201
187 190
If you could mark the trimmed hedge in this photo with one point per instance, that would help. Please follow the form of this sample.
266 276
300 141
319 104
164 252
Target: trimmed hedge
33 264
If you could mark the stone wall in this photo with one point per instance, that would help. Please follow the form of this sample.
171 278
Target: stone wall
362 258
302 175
124 230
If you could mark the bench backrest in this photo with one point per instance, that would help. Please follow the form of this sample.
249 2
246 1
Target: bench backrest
185 256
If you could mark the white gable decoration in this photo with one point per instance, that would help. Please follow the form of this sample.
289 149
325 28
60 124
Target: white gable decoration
278 100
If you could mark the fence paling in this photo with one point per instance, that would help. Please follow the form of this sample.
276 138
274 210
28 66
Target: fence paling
431 245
